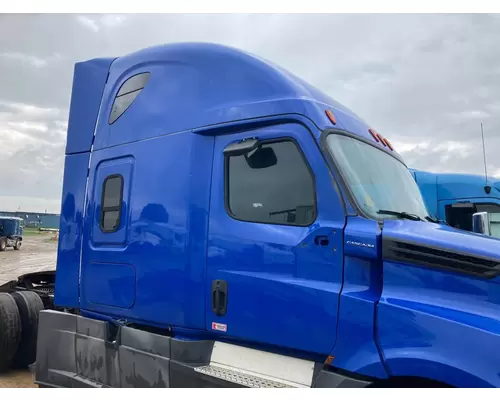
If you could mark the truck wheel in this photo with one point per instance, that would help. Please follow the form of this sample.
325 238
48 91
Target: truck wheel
10 330
29 305
17 245
3 244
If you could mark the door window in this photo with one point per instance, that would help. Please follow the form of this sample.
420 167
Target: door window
283 193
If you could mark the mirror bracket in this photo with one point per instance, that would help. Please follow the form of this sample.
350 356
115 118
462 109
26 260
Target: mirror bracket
241 148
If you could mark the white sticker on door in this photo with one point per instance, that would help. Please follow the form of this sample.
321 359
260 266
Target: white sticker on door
219 327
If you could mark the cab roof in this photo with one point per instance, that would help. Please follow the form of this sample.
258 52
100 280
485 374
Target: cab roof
189 86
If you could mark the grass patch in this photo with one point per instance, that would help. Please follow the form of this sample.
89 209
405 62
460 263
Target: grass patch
33 232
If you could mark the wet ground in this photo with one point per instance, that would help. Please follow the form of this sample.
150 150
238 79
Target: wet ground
37 253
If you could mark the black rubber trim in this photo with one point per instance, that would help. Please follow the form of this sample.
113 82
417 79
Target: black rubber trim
195 353
327 377
419 254
111 208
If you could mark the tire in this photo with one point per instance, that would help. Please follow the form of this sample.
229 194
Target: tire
3 244
29 305
18 244
10 330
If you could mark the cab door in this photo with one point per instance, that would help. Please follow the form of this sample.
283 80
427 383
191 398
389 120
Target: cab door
274 266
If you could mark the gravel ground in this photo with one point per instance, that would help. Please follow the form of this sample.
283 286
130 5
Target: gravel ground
17 379
37 253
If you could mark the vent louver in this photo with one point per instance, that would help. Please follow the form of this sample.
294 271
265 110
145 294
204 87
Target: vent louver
439 258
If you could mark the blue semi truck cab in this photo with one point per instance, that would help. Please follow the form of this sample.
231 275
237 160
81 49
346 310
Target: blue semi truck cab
455 198
226 224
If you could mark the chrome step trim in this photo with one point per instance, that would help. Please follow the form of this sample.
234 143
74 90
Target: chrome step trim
244 378
277 367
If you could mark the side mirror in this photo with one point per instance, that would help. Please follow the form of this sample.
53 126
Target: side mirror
261 158
481 223
255 156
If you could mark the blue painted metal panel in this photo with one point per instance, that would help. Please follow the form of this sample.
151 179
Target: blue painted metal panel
195 85
442 236
285 292
115 286
440 189
356 349
162 233
88 85
70 230
283 289
452 186
438 324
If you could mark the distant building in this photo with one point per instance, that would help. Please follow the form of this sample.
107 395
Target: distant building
36 220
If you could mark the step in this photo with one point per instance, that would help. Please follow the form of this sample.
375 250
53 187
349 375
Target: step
256 368
244 378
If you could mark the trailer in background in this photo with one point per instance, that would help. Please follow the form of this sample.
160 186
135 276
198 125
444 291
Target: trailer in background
11 232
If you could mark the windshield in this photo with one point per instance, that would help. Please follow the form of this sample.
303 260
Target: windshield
377 180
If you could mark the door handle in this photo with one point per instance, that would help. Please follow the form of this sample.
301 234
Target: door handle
219 297
321 240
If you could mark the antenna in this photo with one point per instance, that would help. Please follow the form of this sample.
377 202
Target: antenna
484 156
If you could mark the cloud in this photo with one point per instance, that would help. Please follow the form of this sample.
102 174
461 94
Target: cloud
106 21
88 23
29 109
113 21
33 60
25 125
30 59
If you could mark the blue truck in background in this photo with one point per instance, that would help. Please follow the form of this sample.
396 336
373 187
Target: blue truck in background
455 198
11 232
226 224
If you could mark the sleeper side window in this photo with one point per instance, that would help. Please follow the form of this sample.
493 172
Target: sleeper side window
127 94
111 203
281 192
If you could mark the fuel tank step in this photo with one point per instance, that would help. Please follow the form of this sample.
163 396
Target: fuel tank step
244 378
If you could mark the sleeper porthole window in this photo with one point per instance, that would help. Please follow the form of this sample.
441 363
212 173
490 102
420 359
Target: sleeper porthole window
128 92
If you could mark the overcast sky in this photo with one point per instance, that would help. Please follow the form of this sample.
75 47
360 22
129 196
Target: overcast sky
424 81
